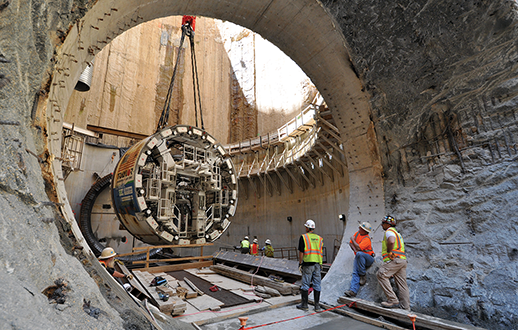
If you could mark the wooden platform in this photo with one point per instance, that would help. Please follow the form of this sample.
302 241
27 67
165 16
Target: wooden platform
422 320
283 267
240 275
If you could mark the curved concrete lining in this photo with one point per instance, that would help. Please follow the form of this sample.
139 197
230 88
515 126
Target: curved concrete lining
304 31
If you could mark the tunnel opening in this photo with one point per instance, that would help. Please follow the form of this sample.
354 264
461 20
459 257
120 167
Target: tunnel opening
322 56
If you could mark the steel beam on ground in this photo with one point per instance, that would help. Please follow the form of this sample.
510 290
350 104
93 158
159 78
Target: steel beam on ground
422 320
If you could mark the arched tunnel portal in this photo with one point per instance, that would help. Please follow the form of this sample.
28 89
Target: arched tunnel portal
302 29
423 93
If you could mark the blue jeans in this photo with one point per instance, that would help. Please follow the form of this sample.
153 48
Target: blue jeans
362 261
311 274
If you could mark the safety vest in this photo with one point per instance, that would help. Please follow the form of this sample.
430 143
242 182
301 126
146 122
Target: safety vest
268 251
399 246
103 262
254 250
312 248
368 251
245 244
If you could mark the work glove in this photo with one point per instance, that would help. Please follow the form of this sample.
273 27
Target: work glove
129 277
392 256
300 268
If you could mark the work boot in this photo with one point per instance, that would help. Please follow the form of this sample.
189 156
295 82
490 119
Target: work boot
303 300
317 301
387 304
350 293
363 280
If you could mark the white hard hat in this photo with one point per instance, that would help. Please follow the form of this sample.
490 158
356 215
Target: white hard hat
310 224
366 226
246 237
267 241
107 253
255 240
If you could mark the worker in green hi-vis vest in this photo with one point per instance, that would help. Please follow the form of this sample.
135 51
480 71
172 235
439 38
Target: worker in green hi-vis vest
394 257
310 261
268 248
245 245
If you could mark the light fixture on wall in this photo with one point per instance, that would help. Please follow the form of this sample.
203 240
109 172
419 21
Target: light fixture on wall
289 219
341 217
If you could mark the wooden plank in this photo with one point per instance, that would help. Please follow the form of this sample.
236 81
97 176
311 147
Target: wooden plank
283 288
172 268
194 287
363 318
190 293
277 265
143 280
136 288
422 320
206 302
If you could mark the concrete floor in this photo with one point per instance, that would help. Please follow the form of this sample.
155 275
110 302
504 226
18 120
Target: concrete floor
263 311
326 320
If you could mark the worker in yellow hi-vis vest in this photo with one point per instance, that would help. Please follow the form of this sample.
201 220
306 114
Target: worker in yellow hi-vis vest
394 257
310 261
245 245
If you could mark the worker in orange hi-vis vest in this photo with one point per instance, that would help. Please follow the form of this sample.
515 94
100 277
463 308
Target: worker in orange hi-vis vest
310 265
361 245
254 249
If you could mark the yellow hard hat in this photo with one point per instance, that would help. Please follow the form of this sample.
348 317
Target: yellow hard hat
107 253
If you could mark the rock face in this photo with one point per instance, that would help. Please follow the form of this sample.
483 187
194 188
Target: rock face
443 86
442 83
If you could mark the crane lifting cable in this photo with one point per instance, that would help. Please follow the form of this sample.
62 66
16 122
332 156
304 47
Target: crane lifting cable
188 23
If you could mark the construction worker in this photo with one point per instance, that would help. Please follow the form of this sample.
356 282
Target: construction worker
254 250
310 265
245 245
361 245
395 263
107 259
268 248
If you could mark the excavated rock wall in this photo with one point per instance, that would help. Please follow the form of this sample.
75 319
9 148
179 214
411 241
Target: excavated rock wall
36 248
442 76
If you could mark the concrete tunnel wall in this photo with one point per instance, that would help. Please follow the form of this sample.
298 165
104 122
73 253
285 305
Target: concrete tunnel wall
322 55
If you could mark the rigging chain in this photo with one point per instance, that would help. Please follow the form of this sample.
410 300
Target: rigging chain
187 30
